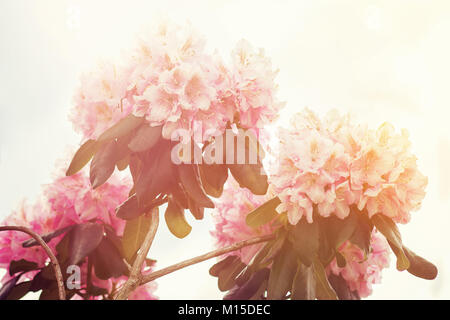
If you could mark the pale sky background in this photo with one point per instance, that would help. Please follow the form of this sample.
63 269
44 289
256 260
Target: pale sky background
379 60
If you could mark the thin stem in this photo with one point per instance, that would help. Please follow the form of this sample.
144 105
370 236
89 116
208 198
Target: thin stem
135 274
186 263
54 261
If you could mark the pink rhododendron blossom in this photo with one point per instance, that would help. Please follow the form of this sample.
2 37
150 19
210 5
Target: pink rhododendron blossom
229 217
333 164
361 272
67 201
171 80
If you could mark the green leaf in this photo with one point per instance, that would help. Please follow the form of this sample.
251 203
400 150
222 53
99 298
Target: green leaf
263 214
341 288
324 291
222 264
363 232
389 229
46 237
213 177
282 273
82 240
340 259
107 261
190 178
19 290
250 288
227 276
250 176
135 233
21 265
339 230
8 287
419 266
103 164
82 156
304 284
121 128
304 237
145 138
176 221
129 209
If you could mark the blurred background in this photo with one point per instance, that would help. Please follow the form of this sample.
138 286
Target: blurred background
380 60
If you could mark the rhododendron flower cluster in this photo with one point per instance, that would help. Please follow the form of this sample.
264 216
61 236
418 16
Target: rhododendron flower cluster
232 208
171 80
229 218
332 164
65 202
361 271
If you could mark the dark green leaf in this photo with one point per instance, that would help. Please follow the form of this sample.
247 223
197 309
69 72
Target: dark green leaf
145 138
263 214
282 273
304 283
190 178
107 261
8 287
176 221
46 237
121 128
389 229
129 209
250 288
324 291
304 237
213 177
363 232
222 264
21 265
227 275
82 156
19 291
103 164
83 239
419 266
134 234
341 288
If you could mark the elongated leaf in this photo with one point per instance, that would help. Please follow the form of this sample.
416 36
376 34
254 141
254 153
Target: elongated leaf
129 209
213 177
304 284
46 237
363 232
8 287
21 265
156 175
82 157
389 229
222 264
304 237
250 288
341 288
83 239
176 221
339 230
419 266
145 138
19 290
263 214
123 164
134 234
121 128
197 211
324 291
107 261
103 164
250 176
227 276
190 178
282 273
